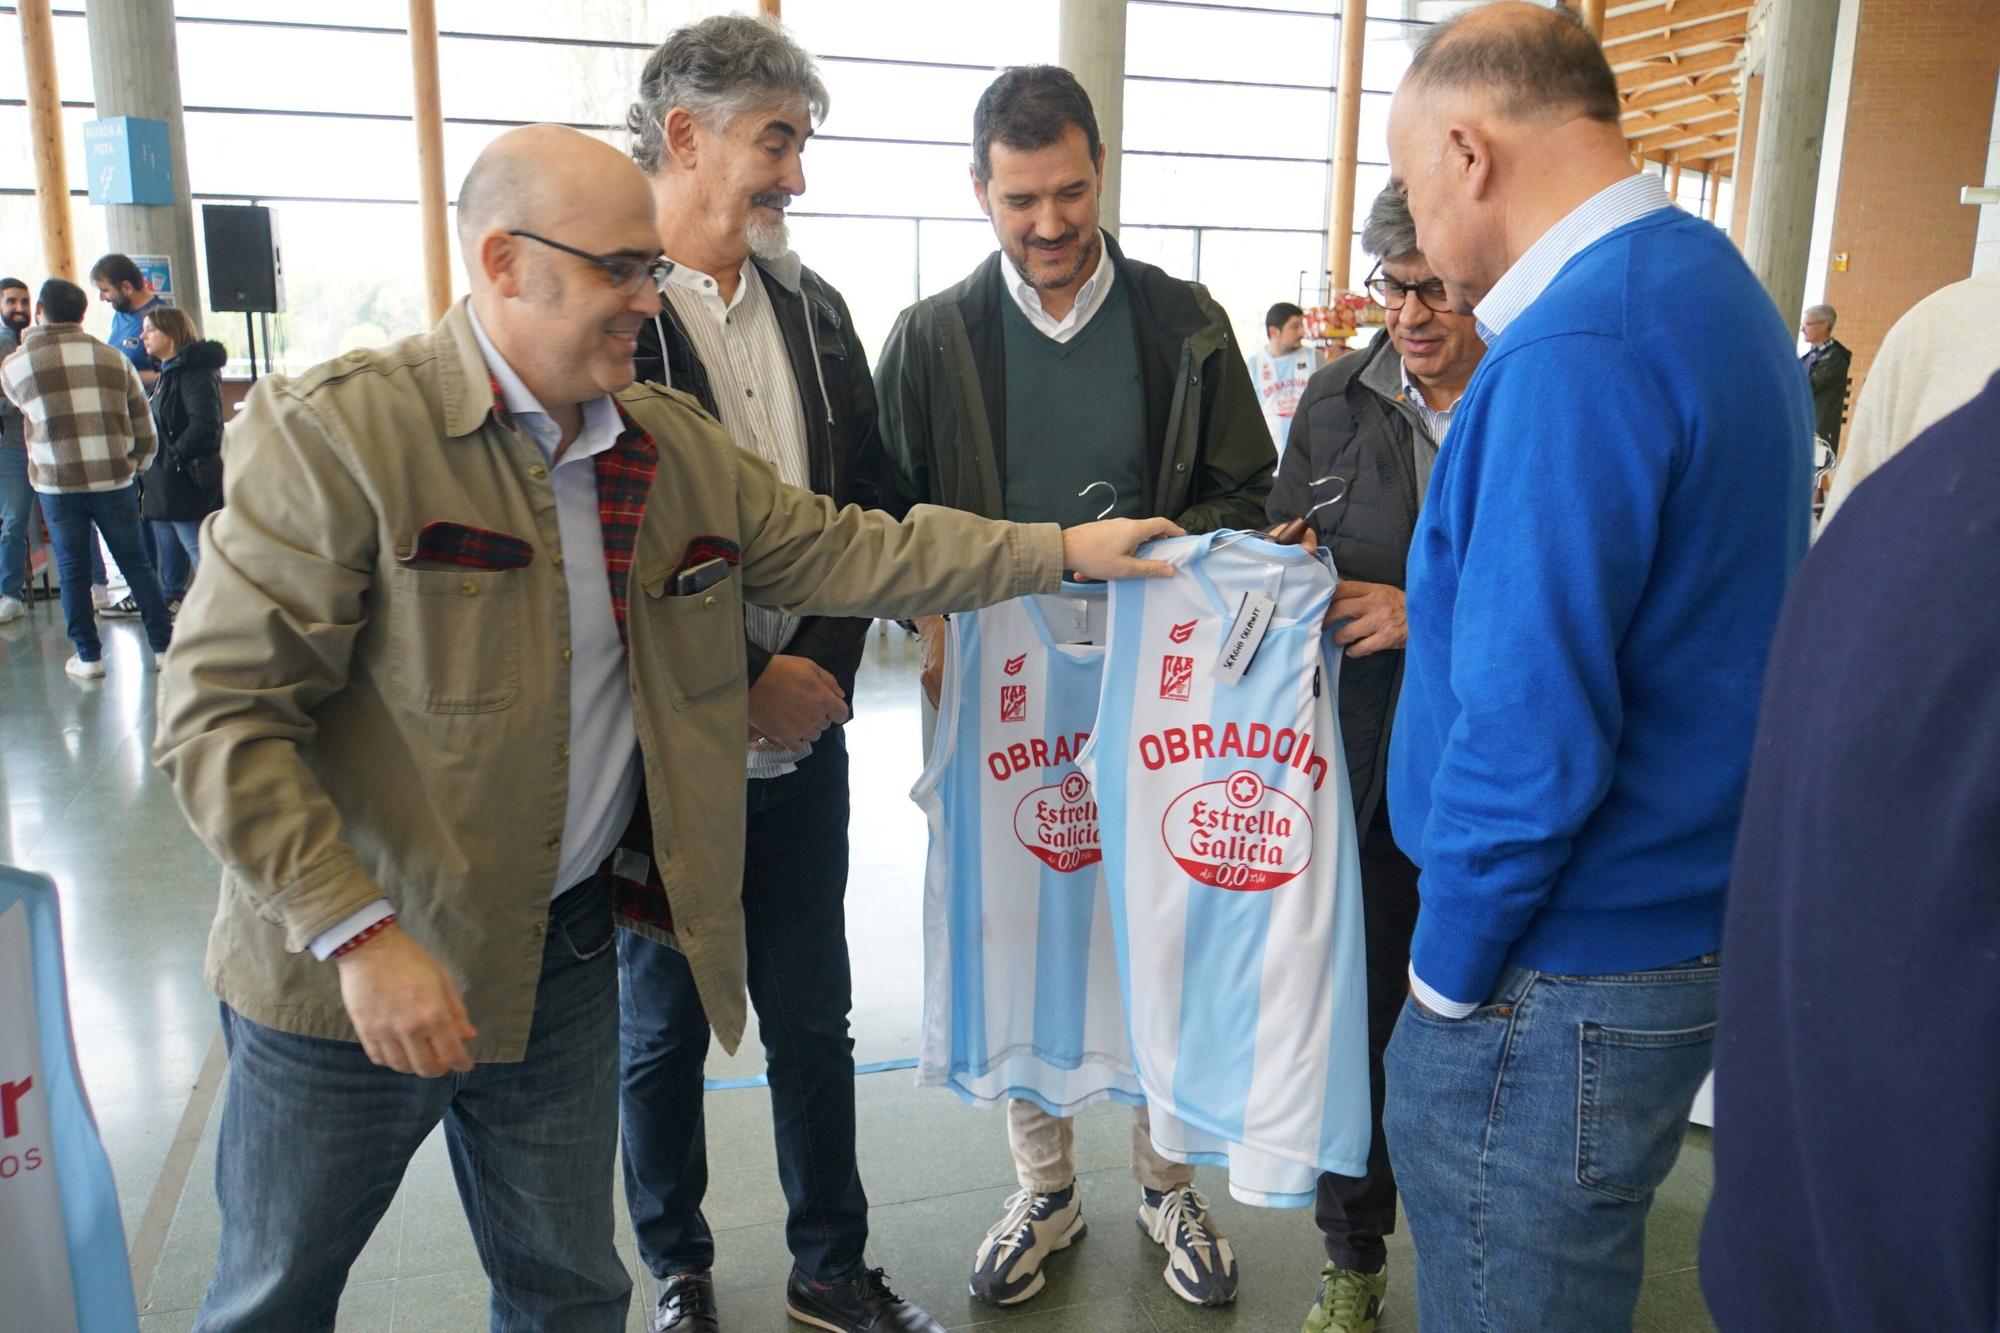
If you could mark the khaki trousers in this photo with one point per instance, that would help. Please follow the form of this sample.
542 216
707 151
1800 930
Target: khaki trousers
1045 1151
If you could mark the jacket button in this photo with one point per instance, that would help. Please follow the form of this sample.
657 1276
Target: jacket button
567 654
708 601
541 928
556 559
562 750
467 588
538 472
555 844
1180 467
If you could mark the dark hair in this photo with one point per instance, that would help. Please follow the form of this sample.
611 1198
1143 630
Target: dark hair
63 302
8 284
1280 315
1535 62
177 324
1029 107
117 270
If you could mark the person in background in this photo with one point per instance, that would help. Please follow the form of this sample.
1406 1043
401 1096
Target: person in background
1593 585
767 347
1934 359
1280 368
1826 365
89 436
184 485
1369 419
122 285
1060 363
1857 1116
17 498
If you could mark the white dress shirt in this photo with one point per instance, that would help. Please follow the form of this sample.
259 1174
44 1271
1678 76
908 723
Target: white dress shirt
1089 297
742 350
1437 420
603 751
1519 287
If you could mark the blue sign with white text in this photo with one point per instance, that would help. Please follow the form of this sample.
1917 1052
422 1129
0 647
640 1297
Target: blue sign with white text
127 160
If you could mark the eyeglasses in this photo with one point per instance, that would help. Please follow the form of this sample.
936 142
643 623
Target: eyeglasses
1392 294
627 273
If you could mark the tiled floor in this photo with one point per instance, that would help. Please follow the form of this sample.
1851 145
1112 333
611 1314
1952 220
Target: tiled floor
83 805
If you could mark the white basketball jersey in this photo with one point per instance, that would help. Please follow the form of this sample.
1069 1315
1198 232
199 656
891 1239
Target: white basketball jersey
1230 858
1021 994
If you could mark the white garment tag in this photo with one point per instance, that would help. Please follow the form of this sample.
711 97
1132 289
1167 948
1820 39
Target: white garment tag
630 865
1245 636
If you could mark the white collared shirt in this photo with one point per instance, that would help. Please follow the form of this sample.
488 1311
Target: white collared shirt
1089 297
1519 287
1437 420
742 350
603 751
1588 223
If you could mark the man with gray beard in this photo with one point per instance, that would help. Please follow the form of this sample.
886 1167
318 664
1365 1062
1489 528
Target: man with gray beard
725 109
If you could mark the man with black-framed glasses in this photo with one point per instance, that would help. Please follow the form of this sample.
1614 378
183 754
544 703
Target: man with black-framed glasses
1375 418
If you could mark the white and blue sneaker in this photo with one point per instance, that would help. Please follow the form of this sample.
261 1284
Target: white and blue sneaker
1007 1269
1201 1268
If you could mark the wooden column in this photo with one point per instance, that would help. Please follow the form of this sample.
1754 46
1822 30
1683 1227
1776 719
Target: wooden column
46 128
430 155
1674 179
770 9
1593 17
1346 142
1713 187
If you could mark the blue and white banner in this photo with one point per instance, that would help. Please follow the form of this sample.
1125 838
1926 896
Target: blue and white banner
63 1267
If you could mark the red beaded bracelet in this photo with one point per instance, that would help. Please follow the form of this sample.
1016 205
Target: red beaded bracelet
366 935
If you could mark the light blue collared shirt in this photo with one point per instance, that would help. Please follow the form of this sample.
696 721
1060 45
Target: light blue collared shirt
1588 223
1521 286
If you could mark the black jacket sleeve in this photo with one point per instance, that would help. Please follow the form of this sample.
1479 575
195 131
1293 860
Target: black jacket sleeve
905 419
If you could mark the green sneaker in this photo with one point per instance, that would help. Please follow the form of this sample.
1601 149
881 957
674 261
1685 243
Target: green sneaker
1349 1302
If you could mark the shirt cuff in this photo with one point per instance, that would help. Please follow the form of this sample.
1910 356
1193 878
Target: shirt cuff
339 933
1427 997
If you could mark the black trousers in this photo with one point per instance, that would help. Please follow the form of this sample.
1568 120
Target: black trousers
795 926
1355 1214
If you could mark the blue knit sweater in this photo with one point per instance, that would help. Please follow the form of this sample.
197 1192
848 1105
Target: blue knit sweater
1592 591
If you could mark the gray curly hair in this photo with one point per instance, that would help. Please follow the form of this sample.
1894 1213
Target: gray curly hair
718 69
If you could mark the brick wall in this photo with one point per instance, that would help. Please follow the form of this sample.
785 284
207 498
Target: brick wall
1919 127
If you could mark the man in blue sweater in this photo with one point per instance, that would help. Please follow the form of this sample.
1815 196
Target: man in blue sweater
1592 590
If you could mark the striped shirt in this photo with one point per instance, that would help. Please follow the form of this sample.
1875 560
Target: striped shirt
750 373
88 425
1586 224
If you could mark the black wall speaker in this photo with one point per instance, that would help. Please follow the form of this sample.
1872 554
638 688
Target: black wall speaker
245 271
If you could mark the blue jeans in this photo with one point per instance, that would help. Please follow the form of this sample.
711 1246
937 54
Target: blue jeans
17 516
795 923
1529 1137
71 518
315 1140
180 554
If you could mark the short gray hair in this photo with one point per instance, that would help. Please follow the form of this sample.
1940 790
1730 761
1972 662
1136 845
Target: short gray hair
1822 312
1390 232
718 69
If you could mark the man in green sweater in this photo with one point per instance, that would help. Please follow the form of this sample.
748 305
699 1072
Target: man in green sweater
1058 364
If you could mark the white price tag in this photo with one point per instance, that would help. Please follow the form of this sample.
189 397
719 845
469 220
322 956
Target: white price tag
1245 636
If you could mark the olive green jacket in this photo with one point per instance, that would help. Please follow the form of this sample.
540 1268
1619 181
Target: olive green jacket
940 388
343 723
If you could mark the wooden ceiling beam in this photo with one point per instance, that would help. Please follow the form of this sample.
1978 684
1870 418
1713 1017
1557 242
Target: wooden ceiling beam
1729 29
1691 113
1674 139
1654 18
1655 72
1692 89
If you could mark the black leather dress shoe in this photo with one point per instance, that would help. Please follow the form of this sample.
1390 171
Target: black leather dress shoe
860 1304
686 1305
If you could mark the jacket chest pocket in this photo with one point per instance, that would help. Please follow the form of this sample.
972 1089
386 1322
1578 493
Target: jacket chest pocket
454 638
699 637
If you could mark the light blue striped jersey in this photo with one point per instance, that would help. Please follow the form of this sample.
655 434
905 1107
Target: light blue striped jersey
1021 995
1230 858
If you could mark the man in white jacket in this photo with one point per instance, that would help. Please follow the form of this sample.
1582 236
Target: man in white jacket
1937 357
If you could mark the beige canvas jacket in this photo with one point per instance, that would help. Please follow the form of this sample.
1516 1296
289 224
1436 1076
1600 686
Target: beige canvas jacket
341 724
